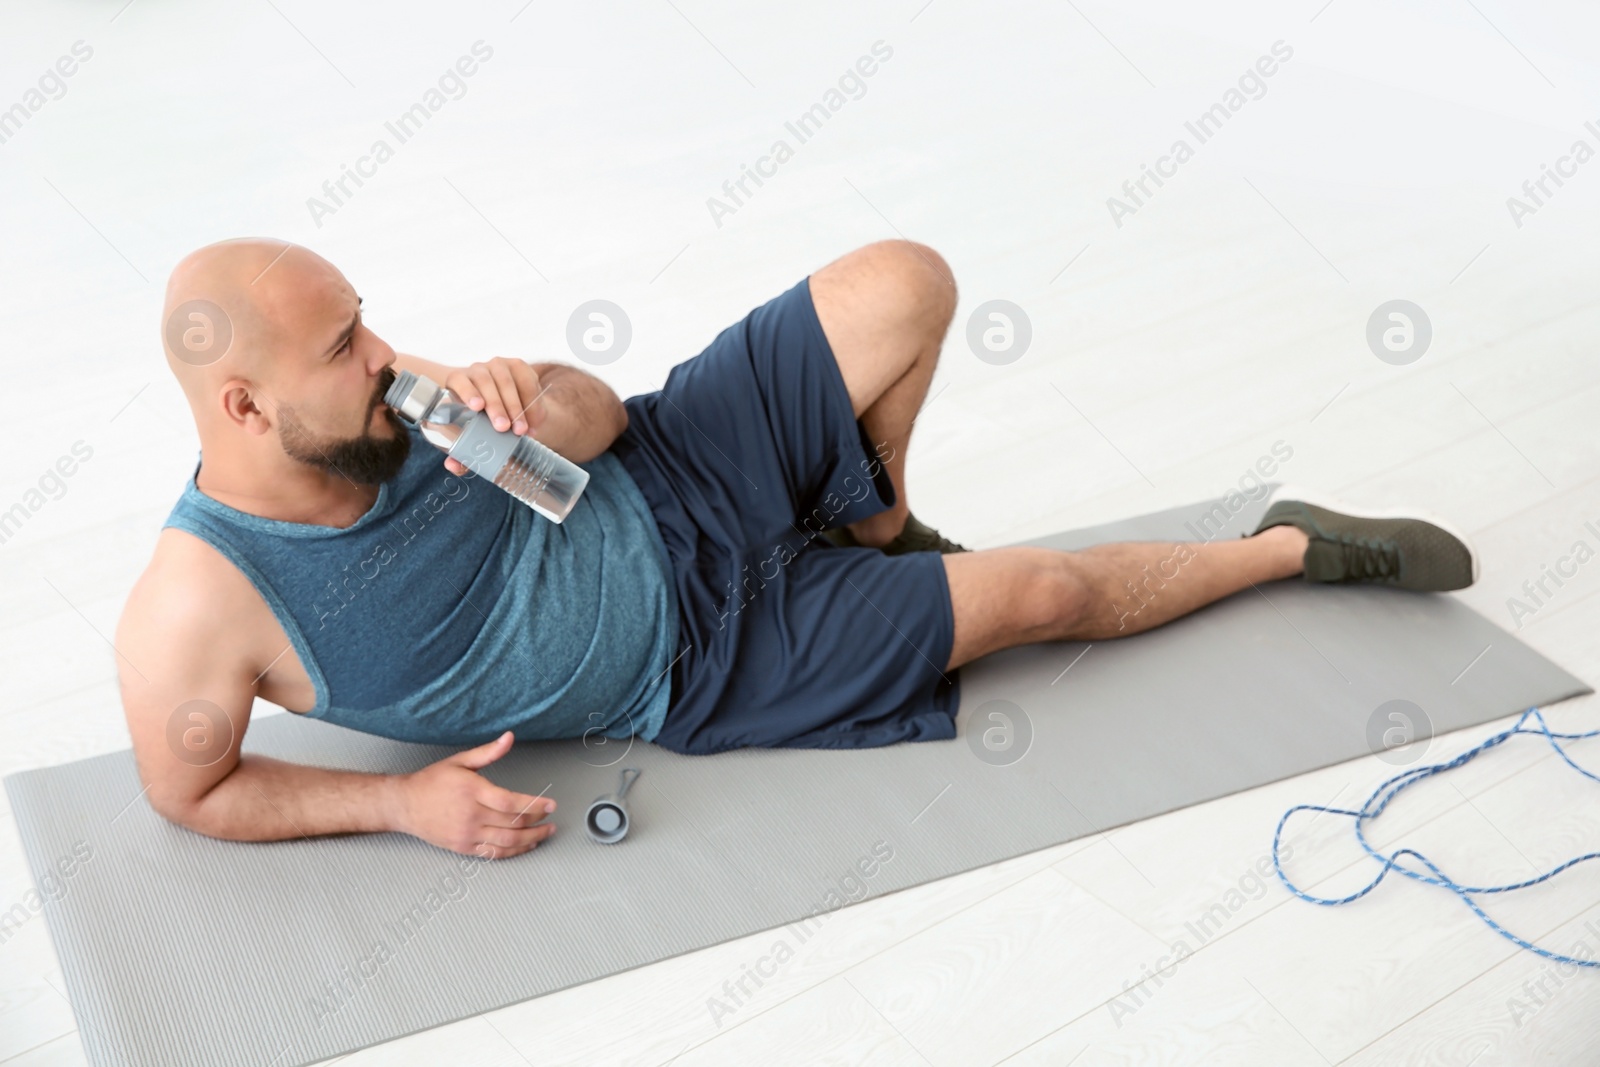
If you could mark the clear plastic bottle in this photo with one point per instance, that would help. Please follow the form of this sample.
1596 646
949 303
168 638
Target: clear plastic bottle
546 481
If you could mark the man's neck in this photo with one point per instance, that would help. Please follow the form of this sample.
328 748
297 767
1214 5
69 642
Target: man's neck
294 493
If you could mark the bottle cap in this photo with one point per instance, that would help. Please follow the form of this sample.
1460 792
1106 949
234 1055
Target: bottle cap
607 818
412 396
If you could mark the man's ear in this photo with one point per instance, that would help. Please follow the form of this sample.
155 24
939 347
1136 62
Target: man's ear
244 405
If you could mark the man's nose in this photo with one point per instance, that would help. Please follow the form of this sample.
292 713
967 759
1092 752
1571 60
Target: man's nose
378 352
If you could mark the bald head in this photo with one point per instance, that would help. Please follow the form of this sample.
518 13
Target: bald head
224 311
264 335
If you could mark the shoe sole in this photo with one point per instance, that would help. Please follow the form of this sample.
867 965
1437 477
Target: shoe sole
1329 502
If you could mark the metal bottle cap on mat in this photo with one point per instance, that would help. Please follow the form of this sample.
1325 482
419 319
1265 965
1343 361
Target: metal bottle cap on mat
607 821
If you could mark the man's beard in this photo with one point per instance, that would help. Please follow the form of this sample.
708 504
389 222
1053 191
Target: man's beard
366 459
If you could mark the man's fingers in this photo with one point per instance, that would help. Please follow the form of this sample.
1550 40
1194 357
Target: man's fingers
483 755
507 390
483 380
529 389
475 386
510 820
466 389
495 842
510 803
506 384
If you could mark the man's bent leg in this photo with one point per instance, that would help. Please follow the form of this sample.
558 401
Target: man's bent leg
884 309
1015 596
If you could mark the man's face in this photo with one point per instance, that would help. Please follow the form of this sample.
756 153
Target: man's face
370 457
339 422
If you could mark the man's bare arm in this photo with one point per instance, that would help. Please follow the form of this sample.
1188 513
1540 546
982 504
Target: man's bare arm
584 414
188 703
569 410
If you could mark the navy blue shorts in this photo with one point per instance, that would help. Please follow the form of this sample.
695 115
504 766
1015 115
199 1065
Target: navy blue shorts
746 453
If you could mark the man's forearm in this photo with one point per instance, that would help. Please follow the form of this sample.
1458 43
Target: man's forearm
264 799
447 803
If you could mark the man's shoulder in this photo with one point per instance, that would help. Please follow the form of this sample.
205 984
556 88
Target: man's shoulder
191 591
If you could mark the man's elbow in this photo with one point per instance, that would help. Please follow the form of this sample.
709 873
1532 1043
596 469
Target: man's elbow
176 808
182 806
605 399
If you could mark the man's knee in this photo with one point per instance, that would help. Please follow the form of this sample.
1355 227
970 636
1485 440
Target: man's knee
1055 599
941 291
921 276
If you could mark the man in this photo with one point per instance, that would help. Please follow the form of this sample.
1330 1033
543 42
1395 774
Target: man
742 570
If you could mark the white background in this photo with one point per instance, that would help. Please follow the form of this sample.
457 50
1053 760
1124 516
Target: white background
1228 314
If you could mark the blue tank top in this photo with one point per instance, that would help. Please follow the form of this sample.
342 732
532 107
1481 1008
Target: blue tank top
451 612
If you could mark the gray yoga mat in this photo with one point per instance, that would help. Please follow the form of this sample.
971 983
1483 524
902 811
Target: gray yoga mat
178 949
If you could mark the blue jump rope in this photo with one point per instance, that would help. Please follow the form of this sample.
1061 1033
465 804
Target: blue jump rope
1392 788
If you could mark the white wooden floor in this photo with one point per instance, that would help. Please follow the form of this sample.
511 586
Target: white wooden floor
1228 313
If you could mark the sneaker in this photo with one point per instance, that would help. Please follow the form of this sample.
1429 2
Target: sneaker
915 536
1397 548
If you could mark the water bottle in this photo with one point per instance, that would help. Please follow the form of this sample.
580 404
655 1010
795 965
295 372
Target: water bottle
546 481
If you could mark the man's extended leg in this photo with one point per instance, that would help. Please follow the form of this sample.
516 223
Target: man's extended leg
1014 596
1002 597
884 309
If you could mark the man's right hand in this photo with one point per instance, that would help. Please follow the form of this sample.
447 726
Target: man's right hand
451 805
